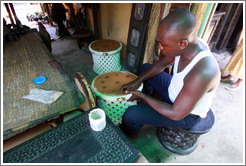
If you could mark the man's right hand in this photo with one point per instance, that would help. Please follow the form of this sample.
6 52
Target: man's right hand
134 85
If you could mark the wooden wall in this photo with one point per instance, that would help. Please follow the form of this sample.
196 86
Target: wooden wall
114 22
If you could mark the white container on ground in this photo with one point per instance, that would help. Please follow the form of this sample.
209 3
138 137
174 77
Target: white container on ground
97 119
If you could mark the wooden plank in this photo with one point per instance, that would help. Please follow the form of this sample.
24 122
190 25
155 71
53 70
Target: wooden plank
205 19
206 29
229 25
152 32
199 10
10 15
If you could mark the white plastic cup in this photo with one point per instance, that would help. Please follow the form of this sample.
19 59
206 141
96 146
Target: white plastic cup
97 119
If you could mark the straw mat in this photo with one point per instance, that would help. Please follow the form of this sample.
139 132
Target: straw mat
25 60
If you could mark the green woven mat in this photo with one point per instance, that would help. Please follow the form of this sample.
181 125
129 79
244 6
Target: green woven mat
147 143
75 142
25 60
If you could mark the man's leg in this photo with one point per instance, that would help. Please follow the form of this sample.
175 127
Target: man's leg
138 115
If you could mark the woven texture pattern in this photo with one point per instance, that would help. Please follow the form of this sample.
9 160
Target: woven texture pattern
25 60
115 109
177 140
103 63
106 146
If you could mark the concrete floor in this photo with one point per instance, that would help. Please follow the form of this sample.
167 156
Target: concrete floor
223 144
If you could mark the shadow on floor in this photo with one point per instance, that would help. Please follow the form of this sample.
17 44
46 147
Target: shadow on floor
148 144
72 59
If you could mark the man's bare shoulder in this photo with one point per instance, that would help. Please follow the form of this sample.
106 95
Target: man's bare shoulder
208 72
204 75
208 66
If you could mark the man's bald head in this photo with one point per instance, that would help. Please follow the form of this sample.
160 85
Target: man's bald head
181 23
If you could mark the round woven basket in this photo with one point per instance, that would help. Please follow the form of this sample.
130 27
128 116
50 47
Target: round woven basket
113 97
106 56
114 105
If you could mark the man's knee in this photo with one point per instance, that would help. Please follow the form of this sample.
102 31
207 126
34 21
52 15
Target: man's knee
130 114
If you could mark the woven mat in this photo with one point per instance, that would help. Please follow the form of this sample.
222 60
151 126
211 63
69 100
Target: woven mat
75 142
25 60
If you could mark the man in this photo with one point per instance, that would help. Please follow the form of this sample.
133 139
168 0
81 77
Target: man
187 95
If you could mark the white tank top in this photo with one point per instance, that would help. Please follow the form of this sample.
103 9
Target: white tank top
177 82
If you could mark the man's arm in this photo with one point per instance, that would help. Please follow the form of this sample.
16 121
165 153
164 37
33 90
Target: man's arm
155 69
199 81
203 78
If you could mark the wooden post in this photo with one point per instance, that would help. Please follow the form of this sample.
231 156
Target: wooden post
152 32
41 7
199 10
17 21
158 13
229 25
203 35
165 8
12 8
205 19
95 8
47 9
10 15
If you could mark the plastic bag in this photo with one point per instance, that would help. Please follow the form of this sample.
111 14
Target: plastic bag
43 96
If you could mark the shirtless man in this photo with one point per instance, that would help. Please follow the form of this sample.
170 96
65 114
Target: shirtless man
187 95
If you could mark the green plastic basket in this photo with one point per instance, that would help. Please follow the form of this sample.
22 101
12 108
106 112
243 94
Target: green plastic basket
114 105
115 109
106 61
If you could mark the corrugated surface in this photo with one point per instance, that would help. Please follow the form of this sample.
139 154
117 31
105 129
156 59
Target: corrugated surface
25 60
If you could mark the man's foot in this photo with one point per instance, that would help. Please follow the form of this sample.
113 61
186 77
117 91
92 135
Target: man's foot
226 78
231 87
123 130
